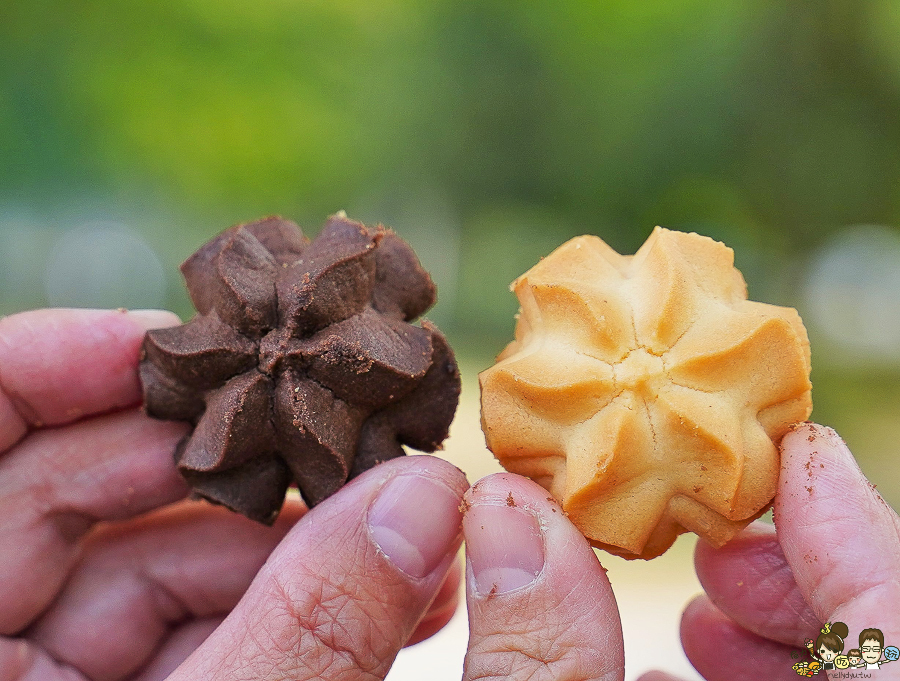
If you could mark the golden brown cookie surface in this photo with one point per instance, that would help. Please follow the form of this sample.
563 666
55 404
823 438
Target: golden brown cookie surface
645 392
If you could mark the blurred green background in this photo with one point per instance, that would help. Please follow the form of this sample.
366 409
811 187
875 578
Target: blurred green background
486 133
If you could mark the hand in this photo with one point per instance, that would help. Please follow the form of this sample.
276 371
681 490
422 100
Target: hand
166 584
82 598
833 556
341 594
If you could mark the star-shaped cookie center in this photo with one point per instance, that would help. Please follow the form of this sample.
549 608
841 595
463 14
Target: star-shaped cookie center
640 372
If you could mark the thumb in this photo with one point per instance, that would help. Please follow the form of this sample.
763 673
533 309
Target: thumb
540 605
839 536
346 588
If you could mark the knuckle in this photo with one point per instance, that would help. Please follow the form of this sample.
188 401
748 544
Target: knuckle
548 655
522 659
324 632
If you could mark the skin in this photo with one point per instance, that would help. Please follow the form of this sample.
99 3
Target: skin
84 599
184 590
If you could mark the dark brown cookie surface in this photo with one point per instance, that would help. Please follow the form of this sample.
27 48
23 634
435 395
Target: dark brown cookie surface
301 364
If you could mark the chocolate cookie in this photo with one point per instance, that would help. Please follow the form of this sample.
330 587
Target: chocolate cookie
302 364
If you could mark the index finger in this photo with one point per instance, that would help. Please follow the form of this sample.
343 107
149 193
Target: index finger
840 537
59 365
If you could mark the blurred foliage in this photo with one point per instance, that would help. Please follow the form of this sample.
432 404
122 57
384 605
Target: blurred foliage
487 132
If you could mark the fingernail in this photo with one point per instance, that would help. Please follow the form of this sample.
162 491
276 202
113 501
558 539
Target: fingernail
415 521
154 319
504 546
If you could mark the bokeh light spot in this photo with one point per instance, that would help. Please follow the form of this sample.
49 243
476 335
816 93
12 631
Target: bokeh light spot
104 265
853 292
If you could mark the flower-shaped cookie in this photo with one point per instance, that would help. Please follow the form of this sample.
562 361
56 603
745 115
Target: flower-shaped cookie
645 392
302 363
